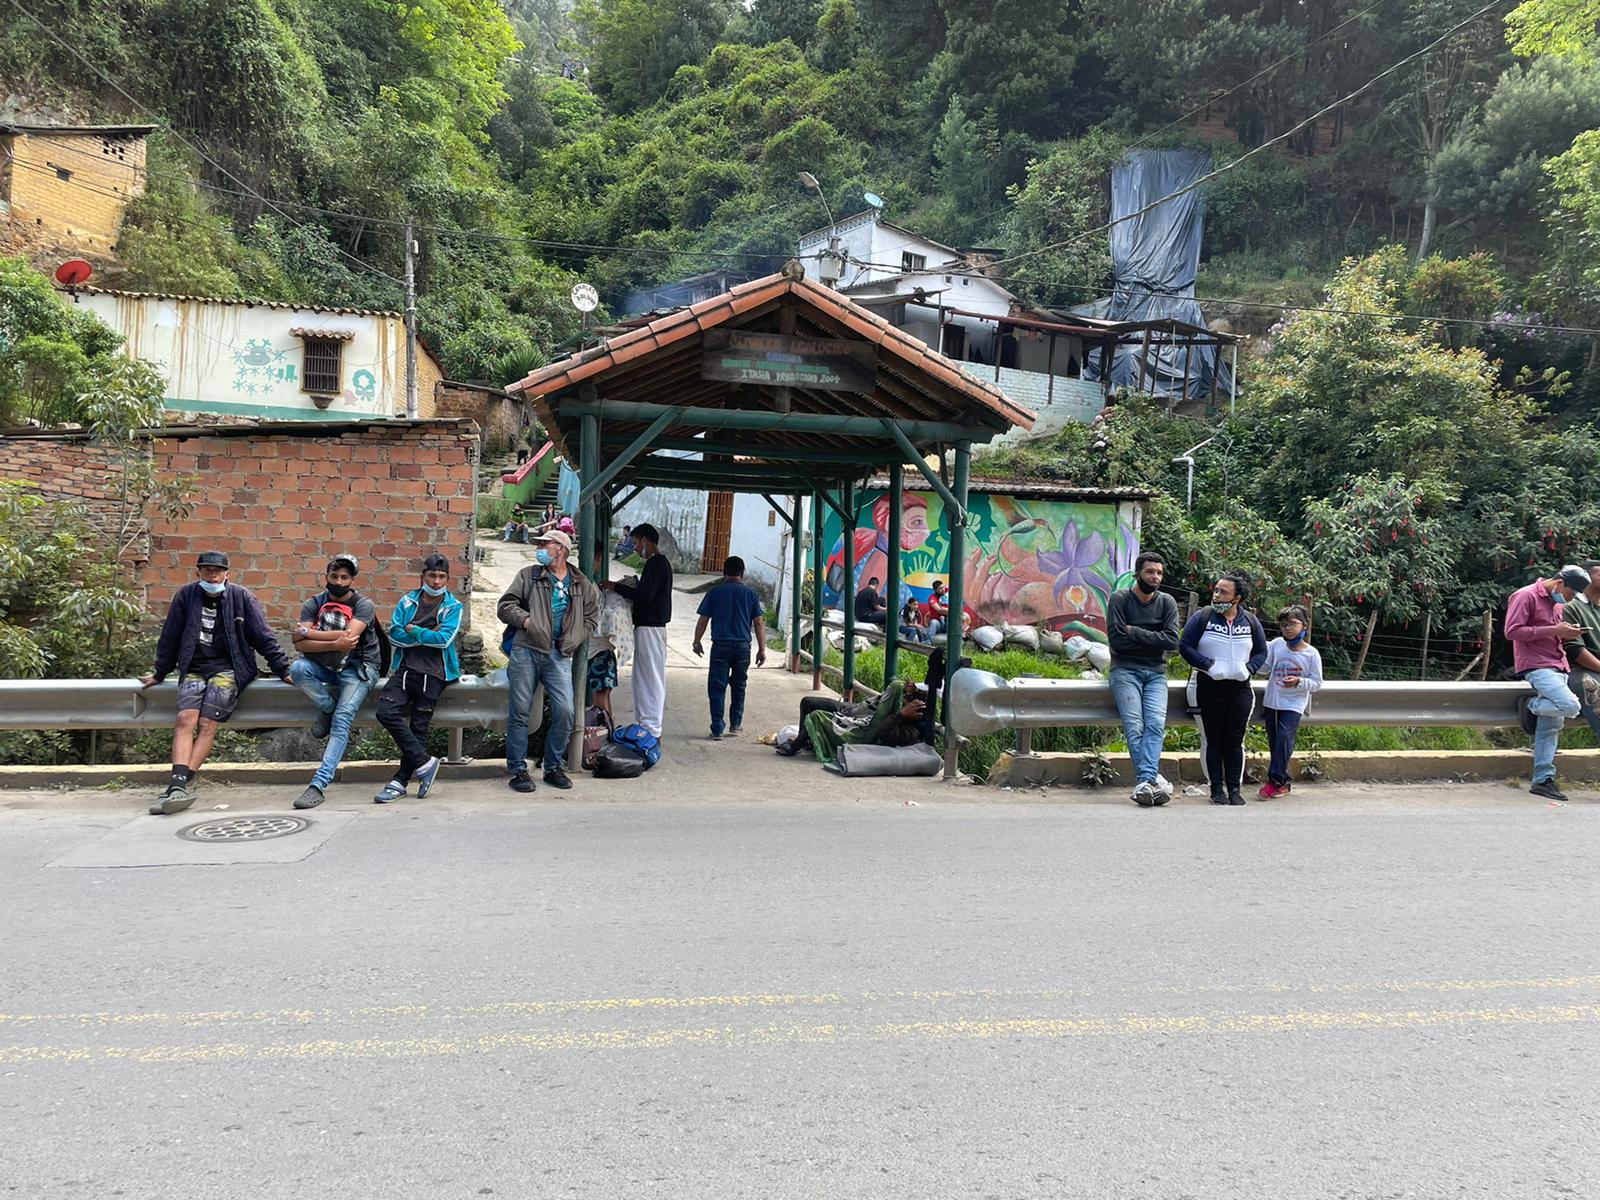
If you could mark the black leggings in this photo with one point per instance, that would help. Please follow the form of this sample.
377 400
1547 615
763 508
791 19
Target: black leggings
1225 708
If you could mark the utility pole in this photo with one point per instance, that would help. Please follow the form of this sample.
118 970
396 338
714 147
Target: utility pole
411 324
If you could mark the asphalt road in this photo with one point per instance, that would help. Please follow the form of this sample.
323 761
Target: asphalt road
795 994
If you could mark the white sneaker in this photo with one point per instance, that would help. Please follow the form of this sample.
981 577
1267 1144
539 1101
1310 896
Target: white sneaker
1145 795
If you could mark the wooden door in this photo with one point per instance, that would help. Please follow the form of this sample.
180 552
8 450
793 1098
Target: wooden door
719 532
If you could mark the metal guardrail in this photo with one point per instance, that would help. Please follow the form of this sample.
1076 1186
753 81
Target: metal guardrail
983 702
472 702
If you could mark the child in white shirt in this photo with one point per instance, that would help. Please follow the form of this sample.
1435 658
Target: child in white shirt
1294 672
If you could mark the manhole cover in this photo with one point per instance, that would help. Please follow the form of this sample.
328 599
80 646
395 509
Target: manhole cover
244 829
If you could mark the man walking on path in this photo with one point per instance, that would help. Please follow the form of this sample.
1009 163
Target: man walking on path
1142 627
423 634
338 664
732 609
554 609
1538 633
211 635
652 612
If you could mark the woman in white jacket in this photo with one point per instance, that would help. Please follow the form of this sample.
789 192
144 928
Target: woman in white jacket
1226 645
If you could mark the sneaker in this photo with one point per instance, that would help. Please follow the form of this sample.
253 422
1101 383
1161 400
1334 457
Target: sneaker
1591 690
1285 788
736 730
1218 796
1269 791
1145 794
522 782
1548 789
1235 796
392 791
309 798
322 725
557 778
175 799
425 776
1525 718
716 734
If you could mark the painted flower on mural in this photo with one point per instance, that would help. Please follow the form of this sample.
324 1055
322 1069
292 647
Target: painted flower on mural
1077 578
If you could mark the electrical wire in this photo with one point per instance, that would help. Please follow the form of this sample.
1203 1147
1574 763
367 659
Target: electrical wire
193 147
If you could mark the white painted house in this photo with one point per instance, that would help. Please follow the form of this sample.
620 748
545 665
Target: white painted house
265 359
939 295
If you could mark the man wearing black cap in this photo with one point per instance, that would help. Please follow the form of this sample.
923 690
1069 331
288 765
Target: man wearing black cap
338 664
1538 630
423 631
652 613
210 637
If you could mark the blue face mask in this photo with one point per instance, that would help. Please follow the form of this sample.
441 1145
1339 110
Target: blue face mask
542 557
433 591
1296 639
213 589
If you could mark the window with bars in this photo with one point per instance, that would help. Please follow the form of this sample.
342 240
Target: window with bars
322 366
912 262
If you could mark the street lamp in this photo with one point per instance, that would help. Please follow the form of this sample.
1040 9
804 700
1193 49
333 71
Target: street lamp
830 262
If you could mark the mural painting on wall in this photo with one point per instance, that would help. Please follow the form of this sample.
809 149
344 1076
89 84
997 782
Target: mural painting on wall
258 368
1030 562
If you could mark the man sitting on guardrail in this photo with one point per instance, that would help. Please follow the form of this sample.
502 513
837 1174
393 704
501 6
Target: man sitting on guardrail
423 634
1583 651
338 665
1538 632
211 636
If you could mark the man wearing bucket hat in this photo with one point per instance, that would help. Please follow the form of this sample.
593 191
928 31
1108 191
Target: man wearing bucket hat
211 636
1538 632
339 664
550 610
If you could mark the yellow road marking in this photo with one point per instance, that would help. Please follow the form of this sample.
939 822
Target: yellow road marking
517 1008
551 1041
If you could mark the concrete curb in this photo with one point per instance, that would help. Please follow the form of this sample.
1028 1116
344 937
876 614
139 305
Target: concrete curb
242 774
1382 766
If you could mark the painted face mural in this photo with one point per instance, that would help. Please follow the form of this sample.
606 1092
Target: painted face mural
1028 562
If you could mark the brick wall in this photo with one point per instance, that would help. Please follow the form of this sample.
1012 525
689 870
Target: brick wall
102 175
281 503
499 418
77 473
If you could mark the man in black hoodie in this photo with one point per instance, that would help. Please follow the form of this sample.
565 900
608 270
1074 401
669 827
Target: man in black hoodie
652 612
1142 628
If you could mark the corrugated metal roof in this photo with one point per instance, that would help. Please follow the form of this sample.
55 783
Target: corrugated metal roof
1041 489
234 300
78 130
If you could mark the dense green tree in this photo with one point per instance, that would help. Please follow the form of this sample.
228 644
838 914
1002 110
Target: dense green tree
636 46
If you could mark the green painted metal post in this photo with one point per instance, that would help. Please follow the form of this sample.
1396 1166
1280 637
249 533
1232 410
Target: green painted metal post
958 563
847 495
588 532
891 627
818 545
797 570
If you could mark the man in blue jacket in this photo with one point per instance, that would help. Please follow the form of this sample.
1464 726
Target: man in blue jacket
211 636
423 633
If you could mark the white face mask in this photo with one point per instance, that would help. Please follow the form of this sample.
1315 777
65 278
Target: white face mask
212 589
433 591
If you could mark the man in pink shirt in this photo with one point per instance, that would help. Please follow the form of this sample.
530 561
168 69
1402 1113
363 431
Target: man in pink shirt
1538 634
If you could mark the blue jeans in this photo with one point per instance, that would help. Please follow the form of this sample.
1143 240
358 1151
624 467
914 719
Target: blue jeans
1553 705
525 670
730 663
1283 726
341 693
1141 696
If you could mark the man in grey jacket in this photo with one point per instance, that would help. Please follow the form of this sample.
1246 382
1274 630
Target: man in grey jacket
551 609
1142 628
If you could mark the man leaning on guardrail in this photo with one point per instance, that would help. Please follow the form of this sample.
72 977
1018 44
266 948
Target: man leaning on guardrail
210 637
1538 632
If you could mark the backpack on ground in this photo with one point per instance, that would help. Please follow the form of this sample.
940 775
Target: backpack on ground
642 740
597 731
618 761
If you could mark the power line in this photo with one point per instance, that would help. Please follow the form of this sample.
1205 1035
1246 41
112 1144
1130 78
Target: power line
144 108
1251 153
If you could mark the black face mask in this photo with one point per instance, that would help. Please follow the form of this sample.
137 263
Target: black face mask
1144 588
339 590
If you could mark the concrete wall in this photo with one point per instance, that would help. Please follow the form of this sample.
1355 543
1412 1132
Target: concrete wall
498 417
679 514
241 359
281 503
1070 400
76 185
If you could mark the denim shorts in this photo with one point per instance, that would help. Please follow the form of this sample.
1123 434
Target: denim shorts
216 696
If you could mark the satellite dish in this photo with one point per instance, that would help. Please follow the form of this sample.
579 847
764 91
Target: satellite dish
873 199
584 298
74 272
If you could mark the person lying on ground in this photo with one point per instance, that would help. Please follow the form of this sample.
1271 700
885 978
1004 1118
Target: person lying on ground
894 719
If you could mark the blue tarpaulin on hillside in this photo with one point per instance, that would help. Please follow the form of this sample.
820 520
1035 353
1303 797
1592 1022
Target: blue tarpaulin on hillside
1154 259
